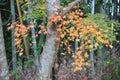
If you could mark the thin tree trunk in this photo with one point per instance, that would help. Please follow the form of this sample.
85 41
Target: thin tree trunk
93 7
14 59
76 43
86 1
108 10
92 73
36 61
115 9
3 60
33 32
99 64
103 7
21 22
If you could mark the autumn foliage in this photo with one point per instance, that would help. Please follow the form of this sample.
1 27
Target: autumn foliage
72 29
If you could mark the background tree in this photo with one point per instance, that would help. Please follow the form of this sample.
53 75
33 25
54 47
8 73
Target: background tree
14 55
3 61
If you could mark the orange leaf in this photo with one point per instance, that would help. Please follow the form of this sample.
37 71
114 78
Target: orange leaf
62 35
57 38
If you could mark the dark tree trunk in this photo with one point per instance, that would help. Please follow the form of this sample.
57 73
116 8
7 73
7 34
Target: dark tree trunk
115 10
14 59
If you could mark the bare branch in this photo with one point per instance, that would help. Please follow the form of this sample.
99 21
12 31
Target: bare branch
68 8
116 58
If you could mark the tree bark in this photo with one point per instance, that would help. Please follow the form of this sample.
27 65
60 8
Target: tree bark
86 1
47 58
3 61
103 7
92 73
14 59
99 64
93 7
115 10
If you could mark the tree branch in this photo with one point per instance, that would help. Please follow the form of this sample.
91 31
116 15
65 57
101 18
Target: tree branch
21 22
68 8
116 58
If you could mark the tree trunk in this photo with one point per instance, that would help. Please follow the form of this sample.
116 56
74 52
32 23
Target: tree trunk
47 58
3 61
103 7
86 1
99 64
14 59
115 10
93 7
92 73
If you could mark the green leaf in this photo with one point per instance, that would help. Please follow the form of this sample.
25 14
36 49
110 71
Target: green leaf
15 71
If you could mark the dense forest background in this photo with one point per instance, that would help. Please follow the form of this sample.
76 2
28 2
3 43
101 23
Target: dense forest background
59 39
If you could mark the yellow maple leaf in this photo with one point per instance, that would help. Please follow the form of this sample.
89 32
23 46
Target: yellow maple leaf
91 46
86 55
20 54
64 9
96 44
111 46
